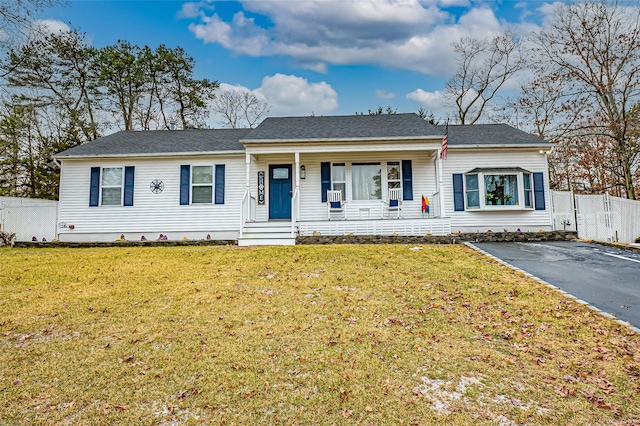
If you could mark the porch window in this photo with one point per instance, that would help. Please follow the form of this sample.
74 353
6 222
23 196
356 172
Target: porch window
202 184
393 174
339 178
366 181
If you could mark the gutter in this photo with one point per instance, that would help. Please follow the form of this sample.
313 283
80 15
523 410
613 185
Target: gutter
356 139
148 155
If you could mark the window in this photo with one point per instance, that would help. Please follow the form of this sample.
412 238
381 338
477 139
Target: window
202 184
509 188
366 181
111 186
339 178
393 174
472 191
528 190
501 190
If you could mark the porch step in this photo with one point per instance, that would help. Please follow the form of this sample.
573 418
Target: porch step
267 234
268 241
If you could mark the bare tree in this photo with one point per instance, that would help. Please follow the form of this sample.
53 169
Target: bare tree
484 65
240 108
594 49
16 17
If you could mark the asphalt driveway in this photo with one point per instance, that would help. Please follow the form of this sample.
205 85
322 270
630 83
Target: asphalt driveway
606 277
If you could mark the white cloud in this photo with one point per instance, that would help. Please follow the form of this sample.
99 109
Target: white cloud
289 95
401 34
383 94
293 95
431 101
50 26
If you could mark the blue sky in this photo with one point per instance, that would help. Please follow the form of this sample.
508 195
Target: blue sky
324 57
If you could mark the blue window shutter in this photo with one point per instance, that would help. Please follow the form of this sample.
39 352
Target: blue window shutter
185 181
458 193
128 185
538 190
325 179
219 183
94 188
407 180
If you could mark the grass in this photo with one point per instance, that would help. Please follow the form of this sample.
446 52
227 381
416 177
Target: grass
301 335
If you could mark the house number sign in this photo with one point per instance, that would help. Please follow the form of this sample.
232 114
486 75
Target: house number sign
261 188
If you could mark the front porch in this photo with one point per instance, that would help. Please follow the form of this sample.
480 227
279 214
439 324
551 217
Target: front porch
284 232
400 227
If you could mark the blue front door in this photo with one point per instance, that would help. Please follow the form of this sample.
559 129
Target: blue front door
280 191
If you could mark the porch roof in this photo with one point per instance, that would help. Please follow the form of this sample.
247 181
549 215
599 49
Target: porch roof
343 128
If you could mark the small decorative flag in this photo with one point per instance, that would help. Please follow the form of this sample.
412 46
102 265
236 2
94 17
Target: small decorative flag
445 142
425 204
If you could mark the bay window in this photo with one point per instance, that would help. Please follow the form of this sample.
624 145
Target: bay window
498 188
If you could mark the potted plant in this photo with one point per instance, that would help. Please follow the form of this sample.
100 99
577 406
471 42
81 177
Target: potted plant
507 198
490 198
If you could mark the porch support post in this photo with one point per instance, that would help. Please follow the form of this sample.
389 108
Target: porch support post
297 188
440 182
248 186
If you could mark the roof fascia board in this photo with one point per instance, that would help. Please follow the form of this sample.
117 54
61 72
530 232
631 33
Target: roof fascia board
150 155
324 148
516 146
359 139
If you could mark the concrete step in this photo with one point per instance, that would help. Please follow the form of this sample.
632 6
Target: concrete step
266 241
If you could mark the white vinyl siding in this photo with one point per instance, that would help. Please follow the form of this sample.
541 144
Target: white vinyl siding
498 218
311 206
153 213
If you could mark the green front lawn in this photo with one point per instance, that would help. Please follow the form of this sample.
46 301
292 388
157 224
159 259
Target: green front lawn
301 335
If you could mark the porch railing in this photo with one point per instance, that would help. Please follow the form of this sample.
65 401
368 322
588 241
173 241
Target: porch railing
247 210
435 201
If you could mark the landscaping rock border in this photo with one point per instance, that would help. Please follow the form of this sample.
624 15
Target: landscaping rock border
481 237
167 243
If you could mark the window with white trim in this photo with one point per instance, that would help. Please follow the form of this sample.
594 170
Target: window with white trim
111 180
202 184
339 178
394 176
366 181
497 189
528 190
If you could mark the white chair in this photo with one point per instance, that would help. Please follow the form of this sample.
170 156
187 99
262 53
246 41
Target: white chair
394 202
335 204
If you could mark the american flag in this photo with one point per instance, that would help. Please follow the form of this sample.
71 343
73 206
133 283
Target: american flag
445 142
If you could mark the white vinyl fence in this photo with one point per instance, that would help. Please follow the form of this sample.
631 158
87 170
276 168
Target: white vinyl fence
598 217
28 218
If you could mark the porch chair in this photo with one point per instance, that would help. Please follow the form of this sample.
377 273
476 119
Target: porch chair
394 202
335 204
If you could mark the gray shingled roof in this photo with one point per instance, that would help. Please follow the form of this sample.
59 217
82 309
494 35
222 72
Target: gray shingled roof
317 129
489 134
159 142
341 127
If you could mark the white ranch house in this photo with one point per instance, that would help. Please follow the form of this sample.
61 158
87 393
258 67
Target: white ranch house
293 176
